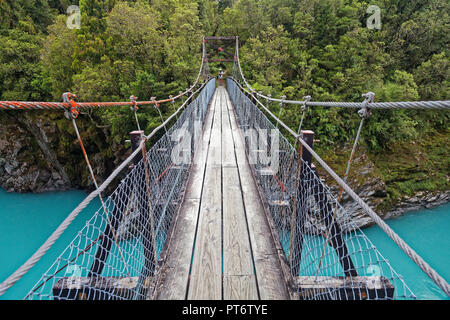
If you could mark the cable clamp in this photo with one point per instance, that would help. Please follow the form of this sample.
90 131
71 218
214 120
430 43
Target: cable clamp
134 106
156 104
72 111
364 112
282 101
304 105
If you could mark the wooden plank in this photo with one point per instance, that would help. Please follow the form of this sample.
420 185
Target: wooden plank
206 274
228 157
97 288
239 279
269 275
177 266
236 132
219 38
240 287
215 145
174 285
236 247
194 186
220 60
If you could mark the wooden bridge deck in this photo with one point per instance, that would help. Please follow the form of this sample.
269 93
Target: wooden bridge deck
221 246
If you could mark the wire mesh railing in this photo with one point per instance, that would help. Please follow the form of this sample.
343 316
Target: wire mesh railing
115 255
328 255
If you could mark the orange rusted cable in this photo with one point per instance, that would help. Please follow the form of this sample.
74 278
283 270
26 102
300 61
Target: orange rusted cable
23 105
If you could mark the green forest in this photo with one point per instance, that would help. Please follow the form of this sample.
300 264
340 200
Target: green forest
321 48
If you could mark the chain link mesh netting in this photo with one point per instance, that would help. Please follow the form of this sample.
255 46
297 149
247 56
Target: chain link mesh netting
329 256
115 255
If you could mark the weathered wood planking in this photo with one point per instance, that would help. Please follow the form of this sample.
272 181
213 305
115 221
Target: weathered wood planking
194 187
222 196
240 288
98 288
174 286
271 283
177 266
237 256
239 279
206 274
228 157
215 143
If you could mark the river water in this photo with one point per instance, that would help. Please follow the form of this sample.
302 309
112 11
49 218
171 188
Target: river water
27 220
427 232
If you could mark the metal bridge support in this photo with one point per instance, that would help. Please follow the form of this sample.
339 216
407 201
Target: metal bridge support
297 229
335 233
320 195
107 237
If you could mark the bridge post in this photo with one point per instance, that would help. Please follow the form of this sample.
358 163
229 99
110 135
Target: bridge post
334 236
298 215
135 140
308 136
104 248
253 97
120 200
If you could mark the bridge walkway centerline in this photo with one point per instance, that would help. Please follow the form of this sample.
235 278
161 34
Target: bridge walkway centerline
221 246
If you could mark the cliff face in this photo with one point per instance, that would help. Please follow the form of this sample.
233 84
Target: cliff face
39 154
27 160
367 183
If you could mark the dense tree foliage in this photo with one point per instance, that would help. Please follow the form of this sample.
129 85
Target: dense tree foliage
321 48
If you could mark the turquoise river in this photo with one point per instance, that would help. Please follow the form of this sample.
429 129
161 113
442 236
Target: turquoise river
27 220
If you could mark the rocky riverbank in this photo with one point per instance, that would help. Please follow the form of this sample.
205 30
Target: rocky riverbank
367 180
421 200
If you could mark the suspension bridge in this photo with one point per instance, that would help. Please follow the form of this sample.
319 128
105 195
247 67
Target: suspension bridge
222 206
